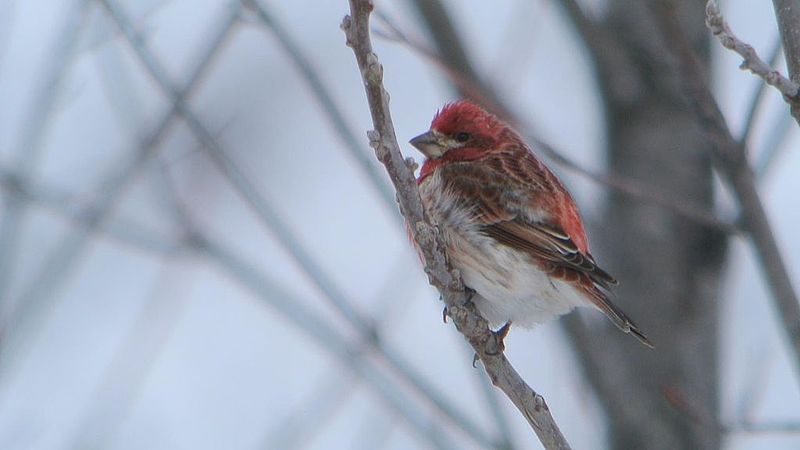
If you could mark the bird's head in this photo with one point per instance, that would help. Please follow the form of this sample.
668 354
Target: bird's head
460 125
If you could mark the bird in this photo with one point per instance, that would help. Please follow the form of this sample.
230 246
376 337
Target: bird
509 225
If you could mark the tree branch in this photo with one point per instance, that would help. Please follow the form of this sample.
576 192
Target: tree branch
448 281
752 62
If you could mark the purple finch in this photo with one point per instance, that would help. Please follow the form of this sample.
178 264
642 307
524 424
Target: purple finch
509 225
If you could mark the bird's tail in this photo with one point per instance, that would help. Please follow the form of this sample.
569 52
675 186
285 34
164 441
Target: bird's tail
622 321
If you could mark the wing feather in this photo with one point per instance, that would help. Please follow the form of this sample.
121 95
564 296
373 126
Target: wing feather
508 195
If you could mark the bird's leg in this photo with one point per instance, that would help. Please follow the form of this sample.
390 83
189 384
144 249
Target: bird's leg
503 331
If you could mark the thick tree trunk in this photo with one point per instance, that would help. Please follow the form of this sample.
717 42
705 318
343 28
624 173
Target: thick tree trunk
668 268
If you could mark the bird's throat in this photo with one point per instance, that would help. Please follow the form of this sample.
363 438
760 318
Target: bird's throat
451 156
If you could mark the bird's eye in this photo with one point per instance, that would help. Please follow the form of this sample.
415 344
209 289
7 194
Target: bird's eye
462 137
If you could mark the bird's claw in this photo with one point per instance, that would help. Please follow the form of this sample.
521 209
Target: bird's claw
475 359
444 314
498 346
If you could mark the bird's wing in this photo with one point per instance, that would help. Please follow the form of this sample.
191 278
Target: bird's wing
549 244
521 204
518 202
557 255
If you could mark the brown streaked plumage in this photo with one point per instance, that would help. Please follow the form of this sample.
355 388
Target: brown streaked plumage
510 225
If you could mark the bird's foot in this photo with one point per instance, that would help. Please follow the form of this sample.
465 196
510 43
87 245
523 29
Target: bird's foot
444 314
497 345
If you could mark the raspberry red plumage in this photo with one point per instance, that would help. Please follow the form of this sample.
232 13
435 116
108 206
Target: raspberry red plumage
464 116
509 223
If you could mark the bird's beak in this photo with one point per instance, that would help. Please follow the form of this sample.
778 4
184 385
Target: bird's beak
429 143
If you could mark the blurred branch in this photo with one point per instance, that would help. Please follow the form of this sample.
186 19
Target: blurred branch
230 170
303 424
629 187
332 111
790 31
773 144
33 130
320 330
274 223
448 43
730 160
125 231
447 281
61 260
354 357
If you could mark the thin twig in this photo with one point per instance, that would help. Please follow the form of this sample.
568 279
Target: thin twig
466 318
751 61
730 160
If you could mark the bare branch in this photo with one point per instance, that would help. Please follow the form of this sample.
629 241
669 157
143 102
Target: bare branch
752 62
730 160
468 321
